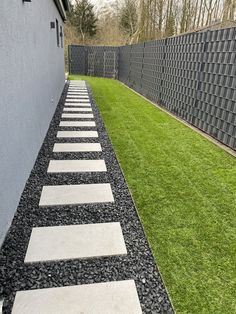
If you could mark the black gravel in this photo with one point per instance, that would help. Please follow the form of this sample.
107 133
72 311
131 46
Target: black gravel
138 264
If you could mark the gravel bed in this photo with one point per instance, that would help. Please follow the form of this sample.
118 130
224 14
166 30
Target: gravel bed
138 264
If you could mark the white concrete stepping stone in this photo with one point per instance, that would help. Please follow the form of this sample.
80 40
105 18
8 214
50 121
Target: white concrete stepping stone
77 115
75 241
77 86
77 124
83 100
77 147
53 195
77 89
78 96
71 100
78 104
70 94
56 166
77 134
75 97
77 82
115 297
78 109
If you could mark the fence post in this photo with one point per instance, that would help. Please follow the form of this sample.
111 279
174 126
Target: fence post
141 80
162 71
128 79
69 59
199 77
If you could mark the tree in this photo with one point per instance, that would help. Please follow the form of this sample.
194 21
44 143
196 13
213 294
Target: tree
170 20
84 19
128 18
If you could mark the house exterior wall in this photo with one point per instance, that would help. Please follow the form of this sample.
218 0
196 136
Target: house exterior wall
31 81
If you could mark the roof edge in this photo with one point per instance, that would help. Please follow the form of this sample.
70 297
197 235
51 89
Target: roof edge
62 6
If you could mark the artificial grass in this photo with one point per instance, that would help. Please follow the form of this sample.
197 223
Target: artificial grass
184 188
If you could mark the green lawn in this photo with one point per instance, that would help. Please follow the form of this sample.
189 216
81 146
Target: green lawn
184 188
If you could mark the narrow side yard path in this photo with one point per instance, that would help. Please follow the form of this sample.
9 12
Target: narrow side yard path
76 244
184 188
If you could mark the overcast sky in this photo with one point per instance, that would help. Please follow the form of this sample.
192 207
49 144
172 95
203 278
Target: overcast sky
99 3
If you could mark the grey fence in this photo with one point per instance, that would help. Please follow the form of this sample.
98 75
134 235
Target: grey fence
94 60
192 76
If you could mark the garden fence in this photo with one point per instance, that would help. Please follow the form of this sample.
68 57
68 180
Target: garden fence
192 76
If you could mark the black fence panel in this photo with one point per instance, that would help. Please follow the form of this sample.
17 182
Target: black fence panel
101 61
77 65
216 97
136 66
192 76
181 67
124 64
152 72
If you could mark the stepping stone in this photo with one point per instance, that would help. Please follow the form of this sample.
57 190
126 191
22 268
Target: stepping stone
77 115
76 96
83 100
77 89
81 85
71 100
54 195
56 166
77 123
75 242
77 134
78 109
77 82
115 297
78 104
78 86
78 92
77 147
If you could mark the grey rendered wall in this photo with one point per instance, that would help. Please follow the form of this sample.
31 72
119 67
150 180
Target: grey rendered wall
31 82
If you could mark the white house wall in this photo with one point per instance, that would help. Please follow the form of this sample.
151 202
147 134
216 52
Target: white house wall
31 82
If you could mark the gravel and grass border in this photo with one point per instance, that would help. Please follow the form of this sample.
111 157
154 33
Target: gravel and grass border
139 264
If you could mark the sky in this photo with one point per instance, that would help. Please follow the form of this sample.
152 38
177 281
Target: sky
100 3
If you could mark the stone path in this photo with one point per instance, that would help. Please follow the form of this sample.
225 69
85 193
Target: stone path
76 244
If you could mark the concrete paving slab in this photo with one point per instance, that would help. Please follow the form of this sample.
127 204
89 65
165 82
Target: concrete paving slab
78 109
80 91
77 115
77 124
75 242
59 166
77 100
77 96
77 89
55 195
77 134
77 147
78 104
115 297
